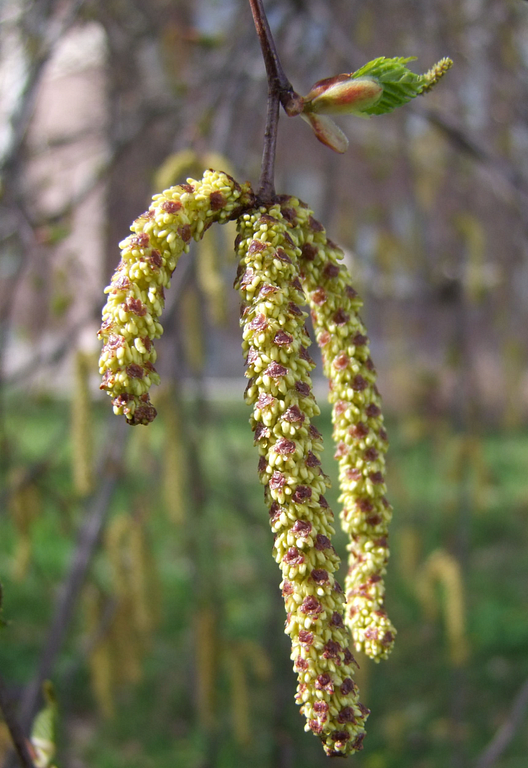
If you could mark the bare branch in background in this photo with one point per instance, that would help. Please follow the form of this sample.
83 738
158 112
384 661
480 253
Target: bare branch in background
89 535
507 731
46 28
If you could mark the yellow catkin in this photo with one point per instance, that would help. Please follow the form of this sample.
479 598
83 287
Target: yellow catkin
193 322
115 543
100 660
227 234
275 342
136 295
127 646
126 643
81 426
210 280
174 461
433 75
216 160
513 371
153 584
239 696
187 162
359 434
257 658
206 665
136 589
134 583
178 166
409 549
442 568
24 506
466 467
140 579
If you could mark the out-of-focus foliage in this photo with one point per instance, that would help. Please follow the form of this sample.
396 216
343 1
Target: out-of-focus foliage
201 667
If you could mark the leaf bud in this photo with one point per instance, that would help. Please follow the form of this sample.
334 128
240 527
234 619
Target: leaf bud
343 94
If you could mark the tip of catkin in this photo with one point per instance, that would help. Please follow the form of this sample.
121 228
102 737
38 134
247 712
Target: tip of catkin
436 73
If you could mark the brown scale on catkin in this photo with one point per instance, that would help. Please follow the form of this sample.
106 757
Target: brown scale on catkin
137 290
359 434
275 343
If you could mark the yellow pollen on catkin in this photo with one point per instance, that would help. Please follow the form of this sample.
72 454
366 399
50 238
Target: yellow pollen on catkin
359 434
275 343
136 294
433 75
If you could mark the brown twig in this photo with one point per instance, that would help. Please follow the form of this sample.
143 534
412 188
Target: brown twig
276 75
15 730
266 190
89 533
280 91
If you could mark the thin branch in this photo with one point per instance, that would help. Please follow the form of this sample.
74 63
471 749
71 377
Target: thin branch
15 730
266 190
89 534
54 30
506 732
276 75
280 91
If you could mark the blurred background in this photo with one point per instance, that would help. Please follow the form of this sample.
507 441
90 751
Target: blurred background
136 562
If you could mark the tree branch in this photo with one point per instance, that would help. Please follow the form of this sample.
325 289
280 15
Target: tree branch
276 75
280 91
266 190
88 538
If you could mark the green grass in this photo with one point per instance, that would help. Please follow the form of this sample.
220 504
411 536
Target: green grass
423 710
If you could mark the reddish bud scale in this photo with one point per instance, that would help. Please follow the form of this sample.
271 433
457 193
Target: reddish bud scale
341 94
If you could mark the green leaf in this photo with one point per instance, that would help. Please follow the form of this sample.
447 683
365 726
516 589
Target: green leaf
399 83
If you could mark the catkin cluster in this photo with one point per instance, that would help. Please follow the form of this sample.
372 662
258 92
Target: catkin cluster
285 262
137 290
276 342
359 434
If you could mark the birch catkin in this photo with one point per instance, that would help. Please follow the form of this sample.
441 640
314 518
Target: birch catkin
137 290
278 367
359 434
286 261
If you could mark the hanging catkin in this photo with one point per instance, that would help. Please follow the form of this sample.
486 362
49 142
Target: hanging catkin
101 659
137 291
278 367
24 505
359 434
444 569
286 261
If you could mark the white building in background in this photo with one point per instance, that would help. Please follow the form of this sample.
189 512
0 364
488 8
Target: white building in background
60 279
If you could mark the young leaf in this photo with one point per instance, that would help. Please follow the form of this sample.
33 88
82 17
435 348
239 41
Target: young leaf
377 88
399 83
